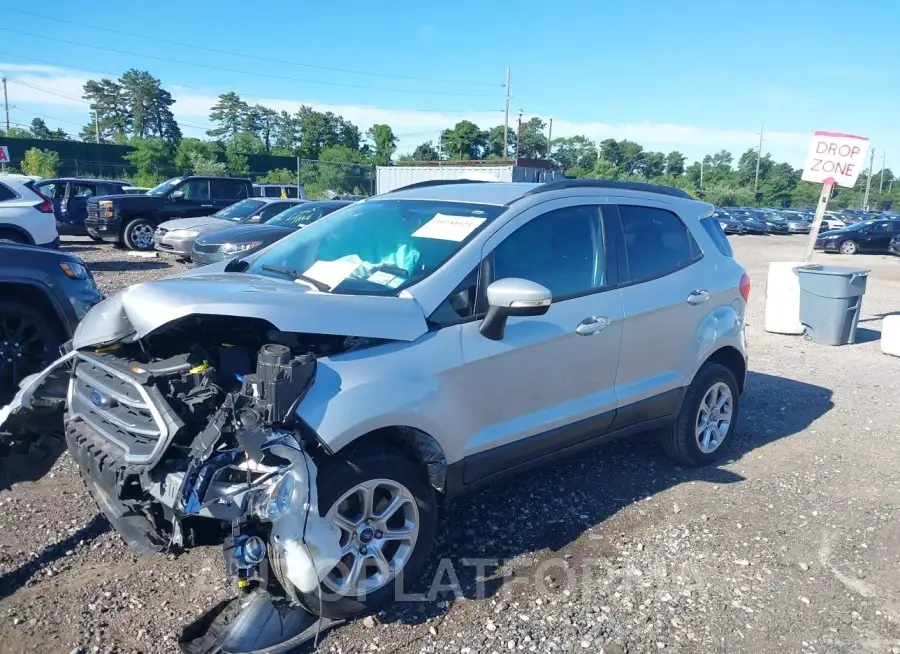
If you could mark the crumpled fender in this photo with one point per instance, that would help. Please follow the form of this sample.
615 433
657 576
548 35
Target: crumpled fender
309 543
22 402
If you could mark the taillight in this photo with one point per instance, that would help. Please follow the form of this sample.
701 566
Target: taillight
47 205
745 287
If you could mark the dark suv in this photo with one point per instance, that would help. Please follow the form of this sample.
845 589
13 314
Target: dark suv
70 197
132 219
43 295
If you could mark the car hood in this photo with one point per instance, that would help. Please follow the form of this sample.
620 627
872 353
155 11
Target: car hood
247 233
199 223
288 306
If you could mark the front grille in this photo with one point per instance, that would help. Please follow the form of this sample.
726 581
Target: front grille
93 211
118 408
203 247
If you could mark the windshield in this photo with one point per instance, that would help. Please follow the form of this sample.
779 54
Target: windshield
302 215
239 210
165 187
377 247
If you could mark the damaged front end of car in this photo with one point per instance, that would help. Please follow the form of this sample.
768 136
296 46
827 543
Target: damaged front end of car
187 435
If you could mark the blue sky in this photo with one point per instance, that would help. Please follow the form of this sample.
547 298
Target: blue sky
695 76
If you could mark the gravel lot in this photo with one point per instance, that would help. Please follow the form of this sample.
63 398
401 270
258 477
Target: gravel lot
792 545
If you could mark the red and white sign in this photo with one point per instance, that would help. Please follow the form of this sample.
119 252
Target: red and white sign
835 158
4 154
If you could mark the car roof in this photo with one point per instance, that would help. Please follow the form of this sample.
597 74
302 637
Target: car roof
117 182
497 193
271 200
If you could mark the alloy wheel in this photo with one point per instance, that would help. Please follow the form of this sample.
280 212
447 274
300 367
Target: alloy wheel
23 350
142 237
379 524
714 418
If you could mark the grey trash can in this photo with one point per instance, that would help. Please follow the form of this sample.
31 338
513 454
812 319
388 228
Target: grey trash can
830 301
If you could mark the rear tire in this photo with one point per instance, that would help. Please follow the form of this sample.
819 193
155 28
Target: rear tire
138 235
693 440
28 343
342 474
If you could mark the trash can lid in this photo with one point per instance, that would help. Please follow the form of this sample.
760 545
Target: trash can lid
823 269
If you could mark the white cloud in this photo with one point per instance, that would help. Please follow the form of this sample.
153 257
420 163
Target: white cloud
413 126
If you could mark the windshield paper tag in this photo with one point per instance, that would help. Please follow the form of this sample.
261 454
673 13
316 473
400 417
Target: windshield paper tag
385 279
331 273
448 228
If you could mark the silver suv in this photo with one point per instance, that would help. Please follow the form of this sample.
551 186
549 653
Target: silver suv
313 403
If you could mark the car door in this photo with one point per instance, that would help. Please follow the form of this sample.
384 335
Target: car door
76 203
56 191
877 237
195 200
226 192
666 293
548 384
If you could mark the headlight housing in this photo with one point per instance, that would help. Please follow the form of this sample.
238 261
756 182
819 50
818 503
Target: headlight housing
281 496
723 225
184 233
74 270
232 248
105 208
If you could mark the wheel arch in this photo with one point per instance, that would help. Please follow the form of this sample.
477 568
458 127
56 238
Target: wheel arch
730 357
35 295
6 227
415 443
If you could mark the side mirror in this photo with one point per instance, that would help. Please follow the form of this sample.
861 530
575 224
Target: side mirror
512 297
255 219
176 195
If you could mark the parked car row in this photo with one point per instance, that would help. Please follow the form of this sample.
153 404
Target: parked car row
867 237
763 221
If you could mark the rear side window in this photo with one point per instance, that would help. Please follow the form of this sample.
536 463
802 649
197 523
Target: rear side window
714 229
229 189
6 193
273 209
657 243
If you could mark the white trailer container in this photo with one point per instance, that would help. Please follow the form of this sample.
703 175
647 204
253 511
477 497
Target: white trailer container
389 178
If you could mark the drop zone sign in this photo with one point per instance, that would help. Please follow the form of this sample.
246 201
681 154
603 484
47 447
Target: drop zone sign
835 158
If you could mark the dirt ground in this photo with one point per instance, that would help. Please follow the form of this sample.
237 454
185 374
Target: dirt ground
792 544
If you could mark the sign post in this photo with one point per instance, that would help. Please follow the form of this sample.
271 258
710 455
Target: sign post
833 158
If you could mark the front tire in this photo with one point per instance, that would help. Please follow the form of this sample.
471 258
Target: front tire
138 235
849 247
28 343
707 419
386 510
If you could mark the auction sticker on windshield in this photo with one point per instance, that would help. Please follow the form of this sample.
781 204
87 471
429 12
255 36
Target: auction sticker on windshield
449 228
332 273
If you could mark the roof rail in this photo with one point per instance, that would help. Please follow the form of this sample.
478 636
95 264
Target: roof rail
437 182
619 184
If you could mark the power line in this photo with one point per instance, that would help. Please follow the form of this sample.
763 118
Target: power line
238 71
34 113
250 56
207 89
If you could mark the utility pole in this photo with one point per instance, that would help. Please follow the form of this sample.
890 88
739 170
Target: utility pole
6 105
758 157
550 139
869 180
518 135
701 174
881 183
298 177
506 120
97 127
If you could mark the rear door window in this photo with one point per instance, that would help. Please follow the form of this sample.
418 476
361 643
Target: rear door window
714 229
6 193
657 243
83 190
229 189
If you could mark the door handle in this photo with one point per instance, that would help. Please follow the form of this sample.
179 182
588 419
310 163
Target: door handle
206 206
592 325
698 297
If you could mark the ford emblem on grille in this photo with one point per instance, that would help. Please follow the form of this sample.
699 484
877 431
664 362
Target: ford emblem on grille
99 400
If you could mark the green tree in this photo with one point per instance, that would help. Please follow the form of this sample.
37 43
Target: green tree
278 176
110 103
384 143
205 165
728 196
39 130
575 152
532 139
653 165
425 152
190 148
230 116
605 169
746 167
152 159
149 106
263 123
675 163
778 186
43 163
495 141
464 141
16 133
